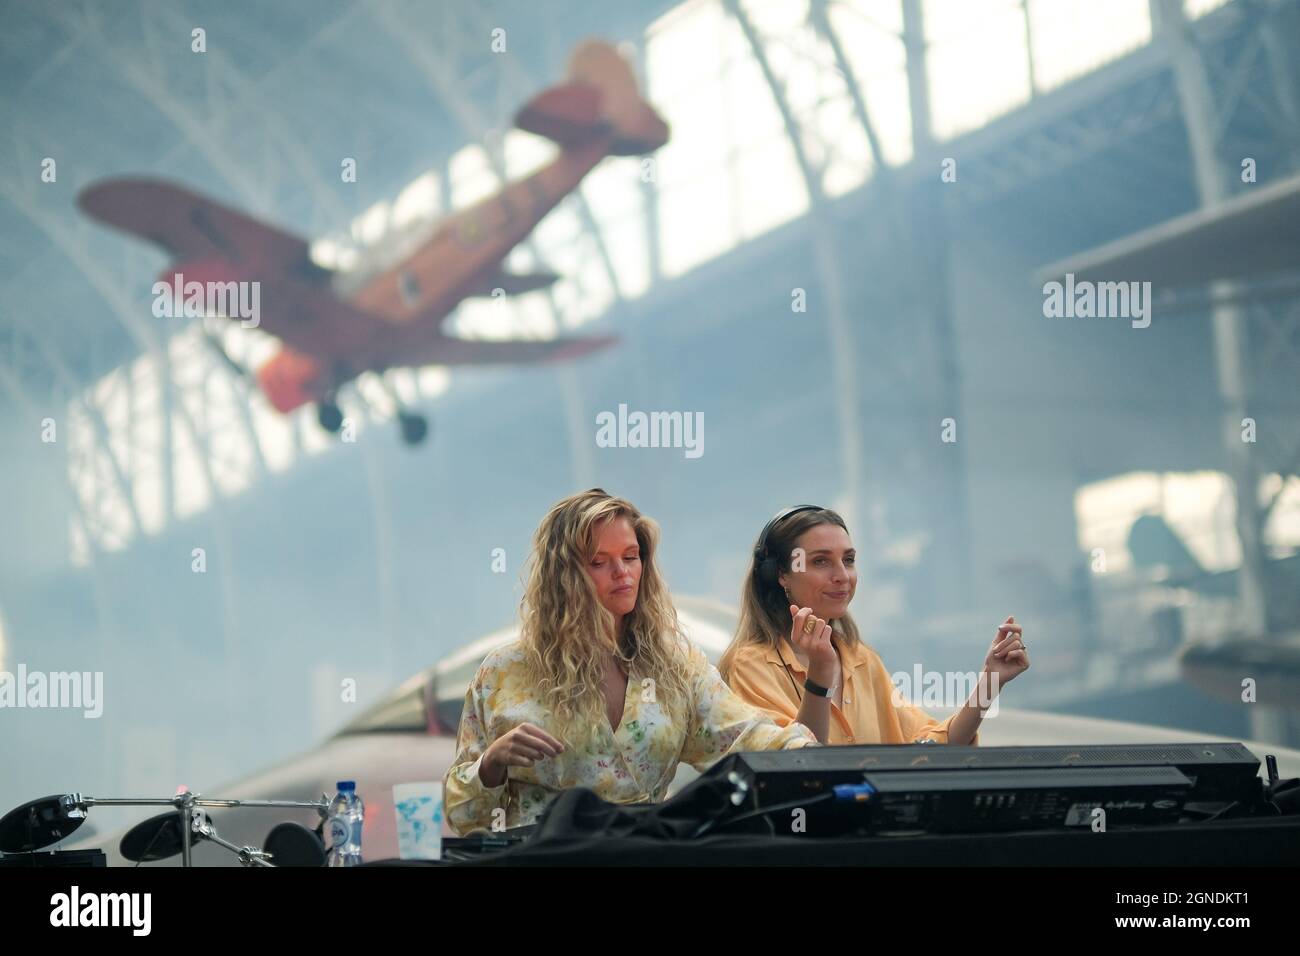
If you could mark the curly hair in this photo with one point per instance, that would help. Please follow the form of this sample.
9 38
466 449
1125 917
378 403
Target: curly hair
566 632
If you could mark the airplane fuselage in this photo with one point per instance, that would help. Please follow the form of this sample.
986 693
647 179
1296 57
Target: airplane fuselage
468 249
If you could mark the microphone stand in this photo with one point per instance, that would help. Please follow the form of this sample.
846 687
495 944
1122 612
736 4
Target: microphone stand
192 818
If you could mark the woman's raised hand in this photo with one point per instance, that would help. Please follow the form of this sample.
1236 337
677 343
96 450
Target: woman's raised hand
1007 656
810 635
521 747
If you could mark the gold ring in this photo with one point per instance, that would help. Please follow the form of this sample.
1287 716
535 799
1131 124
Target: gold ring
809 626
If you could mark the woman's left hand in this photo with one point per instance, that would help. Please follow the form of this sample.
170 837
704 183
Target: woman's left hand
1008 657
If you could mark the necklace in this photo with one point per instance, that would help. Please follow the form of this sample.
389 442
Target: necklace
835 684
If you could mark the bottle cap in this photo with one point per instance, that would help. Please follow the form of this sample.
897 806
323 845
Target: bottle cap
347 785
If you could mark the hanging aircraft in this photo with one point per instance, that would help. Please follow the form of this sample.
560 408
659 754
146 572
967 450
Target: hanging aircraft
394 319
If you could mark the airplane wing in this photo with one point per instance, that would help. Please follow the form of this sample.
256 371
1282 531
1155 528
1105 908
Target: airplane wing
514 283
448 350
310 317
189 226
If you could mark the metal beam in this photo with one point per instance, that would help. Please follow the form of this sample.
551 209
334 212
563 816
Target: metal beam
821 21
918 85
1229 326
77 393
843 350
121 308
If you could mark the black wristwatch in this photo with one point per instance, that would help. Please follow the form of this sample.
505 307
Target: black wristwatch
814 688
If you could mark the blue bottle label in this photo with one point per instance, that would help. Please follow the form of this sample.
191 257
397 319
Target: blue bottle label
339 832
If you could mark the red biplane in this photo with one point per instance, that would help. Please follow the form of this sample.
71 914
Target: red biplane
394 319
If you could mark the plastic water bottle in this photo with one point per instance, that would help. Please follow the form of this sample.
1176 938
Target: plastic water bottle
346 815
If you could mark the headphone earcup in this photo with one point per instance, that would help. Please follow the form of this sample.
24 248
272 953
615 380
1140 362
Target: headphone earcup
768 567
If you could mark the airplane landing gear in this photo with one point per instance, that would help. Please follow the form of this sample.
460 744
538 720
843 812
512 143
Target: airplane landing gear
414 427
330 416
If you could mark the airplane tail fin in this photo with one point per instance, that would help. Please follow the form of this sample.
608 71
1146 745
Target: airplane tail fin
600 96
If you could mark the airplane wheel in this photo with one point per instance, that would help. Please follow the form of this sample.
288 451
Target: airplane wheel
414 428
330 417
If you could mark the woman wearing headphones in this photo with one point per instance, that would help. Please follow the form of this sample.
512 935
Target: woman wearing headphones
601 690
798 656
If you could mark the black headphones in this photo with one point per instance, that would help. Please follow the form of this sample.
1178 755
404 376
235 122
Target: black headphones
768 565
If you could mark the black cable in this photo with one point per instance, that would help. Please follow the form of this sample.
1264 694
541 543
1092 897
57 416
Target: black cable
763 812
149 846
31 835
797 693
1220 812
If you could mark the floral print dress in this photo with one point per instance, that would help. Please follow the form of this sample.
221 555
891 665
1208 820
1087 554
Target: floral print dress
634 763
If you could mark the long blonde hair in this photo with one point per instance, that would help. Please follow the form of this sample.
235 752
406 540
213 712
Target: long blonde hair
764 608
566 632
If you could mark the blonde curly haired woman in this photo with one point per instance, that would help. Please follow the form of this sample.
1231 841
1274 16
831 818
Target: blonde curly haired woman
601 690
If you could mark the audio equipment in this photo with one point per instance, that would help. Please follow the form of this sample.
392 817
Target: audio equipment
952 788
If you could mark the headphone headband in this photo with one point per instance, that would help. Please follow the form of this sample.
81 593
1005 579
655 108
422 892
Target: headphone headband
760 550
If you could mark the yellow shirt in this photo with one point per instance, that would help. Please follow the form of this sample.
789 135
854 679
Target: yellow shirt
633 764
869 715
